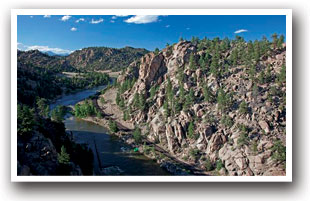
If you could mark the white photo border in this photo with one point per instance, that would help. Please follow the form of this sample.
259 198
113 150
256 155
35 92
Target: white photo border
289 87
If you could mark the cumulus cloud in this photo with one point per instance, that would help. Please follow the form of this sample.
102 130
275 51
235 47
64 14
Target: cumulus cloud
96 21
142 19
116 16
59 51
80 20
47 16
65 18
240 31
73 29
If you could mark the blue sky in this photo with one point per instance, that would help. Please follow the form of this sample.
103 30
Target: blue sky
62 34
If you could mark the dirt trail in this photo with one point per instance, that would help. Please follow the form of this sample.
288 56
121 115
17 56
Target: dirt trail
110 109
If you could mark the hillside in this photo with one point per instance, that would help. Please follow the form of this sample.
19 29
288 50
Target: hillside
216 104
87 59
42 60
103 58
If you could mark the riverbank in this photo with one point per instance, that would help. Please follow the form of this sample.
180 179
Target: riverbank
111 111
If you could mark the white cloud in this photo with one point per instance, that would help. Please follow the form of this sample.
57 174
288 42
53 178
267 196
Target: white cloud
96 21
73 29
167 26
47 16
31 16
142 19
112 21
65 18
240 31
116 16
21 46
80 20
59 51
48 49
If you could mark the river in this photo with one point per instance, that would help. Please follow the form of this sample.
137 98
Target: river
109 151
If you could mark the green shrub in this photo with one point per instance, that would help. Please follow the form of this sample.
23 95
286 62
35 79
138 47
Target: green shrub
243 108
279 151
194 153
219 165
227 121
208 165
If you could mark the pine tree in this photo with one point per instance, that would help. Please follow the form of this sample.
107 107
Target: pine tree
192 64
156 51
207 94
137 135
274 40
261 77
136 100
182 92
58 113
152 91
118 98
166 109
25 120
280 41
190 130
202 63
63 157
142 102
113 126
43 107
191 95
282 75
223 99
234 57
243 108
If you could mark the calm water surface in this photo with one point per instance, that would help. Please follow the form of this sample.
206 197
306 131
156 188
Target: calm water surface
108 150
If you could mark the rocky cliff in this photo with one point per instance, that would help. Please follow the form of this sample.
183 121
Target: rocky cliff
216 104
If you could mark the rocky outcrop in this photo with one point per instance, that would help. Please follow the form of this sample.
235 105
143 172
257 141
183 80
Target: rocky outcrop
39 156
208 130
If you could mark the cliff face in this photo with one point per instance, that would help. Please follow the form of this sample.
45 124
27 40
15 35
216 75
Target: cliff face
214 109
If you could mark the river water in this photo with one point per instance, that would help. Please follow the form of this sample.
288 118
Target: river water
109 151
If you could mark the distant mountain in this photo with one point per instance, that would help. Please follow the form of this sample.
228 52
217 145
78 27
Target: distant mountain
88 59
104 58
43 60
50 53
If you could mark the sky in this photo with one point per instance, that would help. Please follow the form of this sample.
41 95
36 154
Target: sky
66 33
